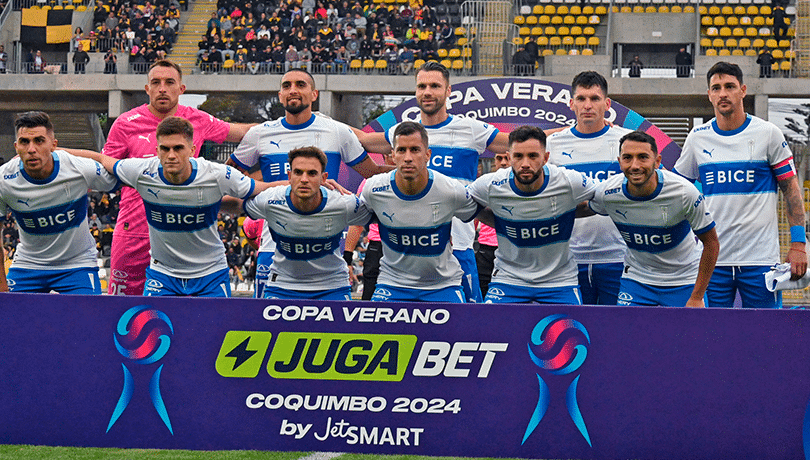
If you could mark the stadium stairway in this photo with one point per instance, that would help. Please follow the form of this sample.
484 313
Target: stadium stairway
192 27
75 130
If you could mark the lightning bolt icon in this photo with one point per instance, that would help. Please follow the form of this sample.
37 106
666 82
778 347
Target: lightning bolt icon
241 353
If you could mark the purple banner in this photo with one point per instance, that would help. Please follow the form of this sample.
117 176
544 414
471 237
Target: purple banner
398 378
508 103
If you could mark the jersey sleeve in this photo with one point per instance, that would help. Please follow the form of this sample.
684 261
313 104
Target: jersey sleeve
117 145
389 135
466 207
686 166
234 183
246 154
96 176
127 171
479 190
597 203
351 151
698 215
252 227
216 130
582 186
779 156
254 207
357 211
485 135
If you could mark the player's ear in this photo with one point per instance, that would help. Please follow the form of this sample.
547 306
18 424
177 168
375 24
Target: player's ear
607 103
55 142
324 176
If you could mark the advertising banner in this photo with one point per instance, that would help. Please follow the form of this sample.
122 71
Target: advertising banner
526 381
510 102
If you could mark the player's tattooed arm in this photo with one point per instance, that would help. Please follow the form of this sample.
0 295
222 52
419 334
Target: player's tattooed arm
794 206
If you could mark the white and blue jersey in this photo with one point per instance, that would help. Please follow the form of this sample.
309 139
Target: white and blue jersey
415 230
534 228
739 171
595 239
51 213
659 229
183 218
269 143
309 256
455 145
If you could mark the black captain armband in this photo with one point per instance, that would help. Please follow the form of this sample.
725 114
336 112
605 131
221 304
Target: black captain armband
348 256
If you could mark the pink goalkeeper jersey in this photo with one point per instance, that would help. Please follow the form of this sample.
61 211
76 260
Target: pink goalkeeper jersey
133 136
253 229
486 235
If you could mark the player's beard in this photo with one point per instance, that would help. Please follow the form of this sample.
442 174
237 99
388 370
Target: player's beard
295 110
431 112
530 181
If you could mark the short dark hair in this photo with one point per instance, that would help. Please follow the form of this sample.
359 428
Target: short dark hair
308 152
166 63
33 119
639 136
406 128
525 132
302 70
176 125
589 79
433 66
724 68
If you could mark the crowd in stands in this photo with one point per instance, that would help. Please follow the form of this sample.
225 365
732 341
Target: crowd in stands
271 37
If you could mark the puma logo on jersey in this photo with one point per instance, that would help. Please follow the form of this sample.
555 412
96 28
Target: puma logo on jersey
566 154
622 213
708 152
276 144
284 226
153 192
390 217
146 138
25 202
509 209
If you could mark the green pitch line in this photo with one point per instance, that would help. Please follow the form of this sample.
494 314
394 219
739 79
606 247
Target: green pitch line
23 452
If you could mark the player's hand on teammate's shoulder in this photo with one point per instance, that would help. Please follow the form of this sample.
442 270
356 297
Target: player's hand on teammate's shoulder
332 184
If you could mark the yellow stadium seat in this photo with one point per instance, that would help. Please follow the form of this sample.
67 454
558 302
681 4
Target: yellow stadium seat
418 63
551 30
454 53
638 9
58 7
561 52
737 52
677 9
562 10
718 43
752 10
547 52
556 20
663 9
458 64
771 43
555 41
588 10
745 43
461 31
711 52
446 62
600 10
777 54
706 21
81 8
719 21
712 31
549 10
714 10
588 31
724 52
746 21
758 43
750 52
563 31
466 52
751 32
544 20
784 43
573 52
524 31
576 30
228 65
791 32
759 21
731 43
705 42
689 9
461 41
568 41
765 10
542 41
516 41
790 54
702 10
733 21
381 65
594 20
442 53
569 20
784 65
520 20
769 21
626 9
368 64
70 7
575 10
587 52
580 41
775 66
727 10
538 9
357 64
738 32
593 41
725 31
537 31
650 9
531 20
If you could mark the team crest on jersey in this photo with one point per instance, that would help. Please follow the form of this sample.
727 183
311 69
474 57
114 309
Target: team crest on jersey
625 298
154 285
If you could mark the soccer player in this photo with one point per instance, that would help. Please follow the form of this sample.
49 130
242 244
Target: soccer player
415 207
534 206
659 214
46 191
740 160
306 221
268 144
487 238
591 147
133 136
456 143
182 196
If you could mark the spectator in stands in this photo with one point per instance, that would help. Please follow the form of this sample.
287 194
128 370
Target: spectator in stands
447 37
78 36
366 47
3 59
635 67
80 59
360 24
353 46
406 60
765 61
291 59
779 26
38 63
213 26
430 48
305 59
342 58
522 63
683 63
111 61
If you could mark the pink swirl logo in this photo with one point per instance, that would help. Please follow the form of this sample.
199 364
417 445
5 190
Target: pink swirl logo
143 335
559 344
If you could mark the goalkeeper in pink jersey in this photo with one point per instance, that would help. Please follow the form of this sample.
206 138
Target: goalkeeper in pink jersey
133 136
